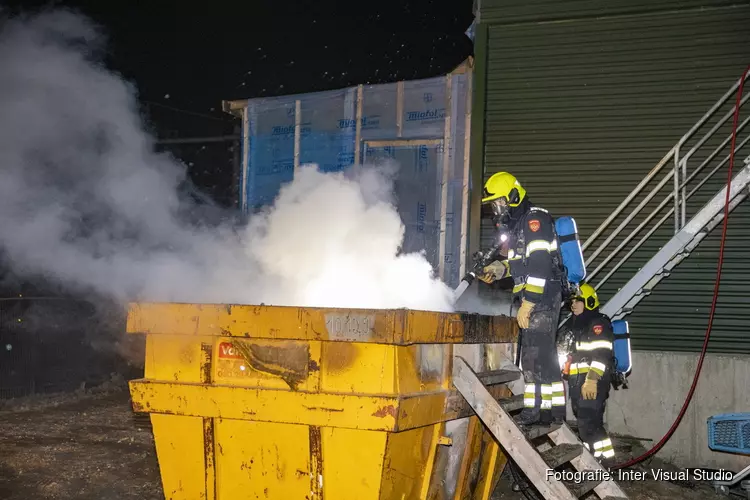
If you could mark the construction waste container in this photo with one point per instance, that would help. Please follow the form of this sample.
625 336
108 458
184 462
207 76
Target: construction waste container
310 403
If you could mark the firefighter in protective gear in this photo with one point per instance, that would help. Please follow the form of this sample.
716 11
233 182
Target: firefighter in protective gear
532 245
590 371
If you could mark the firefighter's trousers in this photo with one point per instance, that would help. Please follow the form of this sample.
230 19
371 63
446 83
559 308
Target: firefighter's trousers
590 415
544 395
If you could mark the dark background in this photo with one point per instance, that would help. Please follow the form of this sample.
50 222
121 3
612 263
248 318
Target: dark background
185 58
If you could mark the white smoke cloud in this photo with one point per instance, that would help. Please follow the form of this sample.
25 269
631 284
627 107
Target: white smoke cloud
86 200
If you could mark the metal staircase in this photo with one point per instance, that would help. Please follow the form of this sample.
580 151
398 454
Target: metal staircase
537 464
701 150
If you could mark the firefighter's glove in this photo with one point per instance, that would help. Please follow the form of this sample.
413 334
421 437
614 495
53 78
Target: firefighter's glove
588 391
524 313
495 271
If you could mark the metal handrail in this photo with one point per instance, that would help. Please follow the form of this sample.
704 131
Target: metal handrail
681 163
657 168
677 168
678 194
658 224
683 186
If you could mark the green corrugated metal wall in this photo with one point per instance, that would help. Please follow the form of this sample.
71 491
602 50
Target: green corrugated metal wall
580 106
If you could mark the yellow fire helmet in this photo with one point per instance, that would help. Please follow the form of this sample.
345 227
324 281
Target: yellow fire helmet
504 185
588 297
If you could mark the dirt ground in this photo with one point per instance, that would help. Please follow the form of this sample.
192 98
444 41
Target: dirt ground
84 446
89 446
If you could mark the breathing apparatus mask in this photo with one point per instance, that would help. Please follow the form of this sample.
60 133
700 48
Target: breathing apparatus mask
500 212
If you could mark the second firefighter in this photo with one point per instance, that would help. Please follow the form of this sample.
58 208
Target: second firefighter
590 371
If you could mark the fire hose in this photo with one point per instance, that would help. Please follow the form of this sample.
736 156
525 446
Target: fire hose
658 446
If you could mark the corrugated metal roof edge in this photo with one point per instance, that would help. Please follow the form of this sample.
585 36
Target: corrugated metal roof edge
501 14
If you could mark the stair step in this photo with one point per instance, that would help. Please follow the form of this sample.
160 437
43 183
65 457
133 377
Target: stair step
535 431
511 404
495 377
580 489
561 454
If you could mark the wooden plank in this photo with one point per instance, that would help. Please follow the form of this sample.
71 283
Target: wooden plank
466 172
463 409
586 461
446 175
580 489
495 377
358 125
536 431
404 143
506 432
512 403
399 108
561 454
297 133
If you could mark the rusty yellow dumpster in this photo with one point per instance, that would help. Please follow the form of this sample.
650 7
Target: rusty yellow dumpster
310 403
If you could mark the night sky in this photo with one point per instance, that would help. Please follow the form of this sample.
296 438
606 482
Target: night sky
185 58
191 56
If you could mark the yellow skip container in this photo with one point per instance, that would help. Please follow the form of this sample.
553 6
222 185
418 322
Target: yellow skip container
293 403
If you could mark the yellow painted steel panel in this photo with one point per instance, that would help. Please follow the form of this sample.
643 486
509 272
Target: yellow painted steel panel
493 462
353 411
180 450
423 368
407 454
174 357
262 460
429 469
352 463
348 367
399 326
334 410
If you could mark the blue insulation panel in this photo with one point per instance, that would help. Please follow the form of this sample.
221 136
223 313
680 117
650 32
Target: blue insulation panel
327 135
